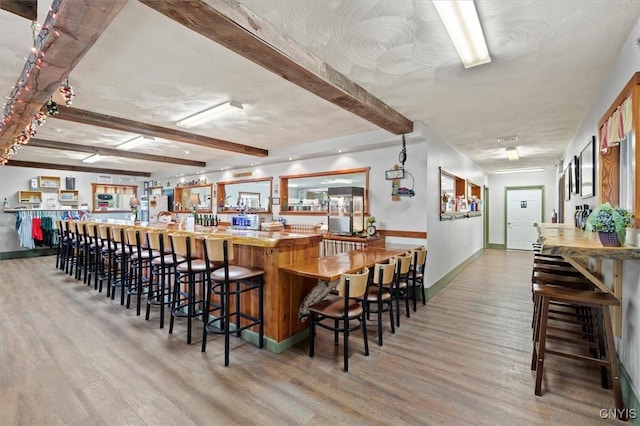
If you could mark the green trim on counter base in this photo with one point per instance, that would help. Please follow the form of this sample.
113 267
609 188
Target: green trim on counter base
28 253
442 282
497 246
631 401
273 346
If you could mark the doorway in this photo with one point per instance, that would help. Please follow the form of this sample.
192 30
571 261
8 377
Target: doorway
524 208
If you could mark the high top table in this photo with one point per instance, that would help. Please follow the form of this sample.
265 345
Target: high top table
577 246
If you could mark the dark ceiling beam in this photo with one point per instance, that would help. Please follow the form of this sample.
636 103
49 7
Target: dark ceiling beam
235 27
123 124
65 146
36 165
24 8
79 24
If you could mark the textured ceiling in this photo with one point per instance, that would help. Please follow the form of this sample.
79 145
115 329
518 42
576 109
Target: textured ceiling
539 85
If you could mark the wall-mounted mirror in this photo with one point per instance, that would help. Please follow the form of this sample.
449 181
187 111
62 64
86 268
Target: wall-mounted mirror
307 194
248 195
447 192
198 196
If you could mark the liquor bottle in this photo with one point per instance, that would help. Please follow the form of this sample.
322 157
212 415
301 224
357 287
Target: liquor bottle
576 216
554 216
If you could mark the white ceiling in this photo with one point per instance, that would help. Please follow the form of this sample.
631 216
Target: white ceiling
548 62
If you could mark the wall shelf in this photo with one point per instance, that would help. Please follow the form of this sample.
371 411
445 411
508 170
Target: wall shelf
68 196
49 182
30 197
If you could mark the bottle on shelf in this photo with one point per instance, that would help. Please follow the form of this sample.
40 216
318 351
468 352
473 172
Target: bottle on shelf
586 211
576 216
554 216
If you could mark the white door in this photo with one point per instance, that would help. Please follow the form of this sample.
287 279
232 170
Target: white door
524 208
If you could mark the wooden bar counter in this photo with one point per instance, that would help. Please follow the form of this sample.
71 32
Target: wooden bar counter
282 292
577 246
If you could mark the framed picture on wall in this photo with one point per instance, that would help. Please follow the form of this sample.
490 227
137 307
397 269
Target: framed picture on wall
588 169
575 176
567 183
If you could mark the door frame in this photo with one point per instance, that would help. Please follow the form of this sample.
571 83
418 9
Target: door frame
506 205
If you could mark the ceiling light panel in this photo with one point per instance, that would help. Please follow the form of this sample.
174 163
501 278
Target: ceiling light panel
135 142
461 20
209 114
512 153
94 158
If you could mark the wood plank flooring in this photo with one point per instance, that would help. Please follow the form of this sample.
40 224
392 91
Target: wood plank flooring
69 355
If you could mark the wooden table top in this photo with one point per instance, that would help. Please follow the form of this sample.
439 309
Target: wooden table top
329 268
564 239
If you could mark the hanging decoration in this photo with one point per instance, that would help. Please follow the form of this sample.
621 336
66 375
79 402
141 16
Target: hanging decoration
51 107
34 60
67 93
40 117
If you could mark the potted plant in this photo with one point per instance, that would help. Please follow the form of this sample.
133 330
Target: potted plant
610 224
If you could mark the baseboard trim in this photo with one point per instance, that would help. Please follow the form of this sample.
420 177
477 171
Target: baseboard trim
497 246
442 282
631 400
28 253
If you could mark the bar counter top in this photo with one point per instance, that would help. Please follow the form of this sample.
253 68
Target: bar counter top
564 239
251 238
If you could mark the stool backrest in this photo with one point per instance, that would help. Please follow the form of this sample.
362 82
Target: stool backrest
419 258
183 244
403 264
105 232
134 236
117 233
157 240
215 249
357 284
384 271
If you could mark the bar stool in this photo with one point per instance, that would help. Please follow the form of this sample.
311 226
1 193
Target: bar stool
416 276
107 254
190 274
120 261
91 248
139 263
341 311
600 301
59 224
229 281
400 287
163 270
379 295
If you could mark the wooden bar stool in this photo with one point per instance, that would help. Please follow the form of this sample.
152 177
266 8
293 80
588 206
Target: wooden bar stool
190 274
230 281
163 270
416 276
121 261
341 311
546 294
379 295
139 265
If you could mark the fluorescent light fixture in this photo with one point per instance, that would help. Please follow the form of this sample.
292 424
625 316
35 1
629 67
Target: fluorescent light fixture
504 172
135 142
93 158
209 114
460 18
512 153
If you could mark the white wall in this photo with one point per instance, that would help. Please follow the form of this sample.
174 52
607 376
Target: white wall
14 179
497 191
626 64
450 242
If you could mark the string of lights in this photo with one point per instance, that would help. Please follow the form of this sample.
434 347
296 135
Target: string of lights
35 59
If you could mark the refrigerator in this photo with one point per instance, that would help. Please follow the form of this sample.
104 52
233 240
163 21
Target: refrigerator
157 204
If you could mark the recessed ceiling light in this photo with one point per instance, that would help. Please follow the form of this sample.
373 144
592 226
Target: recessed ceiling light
290 158
186 151
58 130
210 114
339 151
253 164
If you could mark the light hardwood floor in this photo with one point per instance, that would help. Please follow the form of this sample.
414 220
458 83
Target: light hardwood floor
69 355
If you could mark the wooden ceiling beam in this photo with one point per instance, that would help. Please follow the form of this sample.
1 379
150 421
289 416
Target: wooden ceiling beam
79 24
25 8
36 165
123 124
235 27
65 146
